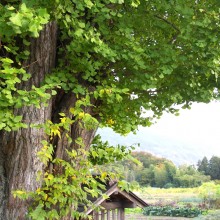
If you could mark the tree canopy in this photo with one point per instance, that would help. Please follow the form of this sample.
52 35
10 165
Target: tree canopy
68 67
158 172
137 55
210 167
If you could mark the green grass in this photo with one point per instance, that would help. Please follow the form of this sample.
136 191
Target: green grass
176 197
134 211
170 196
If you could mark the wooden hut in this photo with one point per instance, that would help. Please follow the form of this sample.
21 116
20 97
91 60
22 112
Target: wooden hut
113 208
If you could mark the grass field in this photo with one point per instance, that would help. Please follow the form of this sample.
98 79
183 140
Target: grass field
213 215
174 197
170 196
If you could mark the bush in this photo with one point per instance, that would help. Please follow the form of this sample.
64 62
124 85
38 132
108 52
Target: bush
210 193
168 185
172 211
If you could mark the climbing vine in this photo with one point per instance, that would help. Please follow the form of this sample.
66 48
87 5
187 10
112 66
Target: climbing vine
68 184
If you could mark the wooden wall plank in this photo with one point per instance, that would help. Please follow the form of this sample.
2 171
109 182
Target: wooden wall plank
119 214
122 214
102 215
108 214
113 214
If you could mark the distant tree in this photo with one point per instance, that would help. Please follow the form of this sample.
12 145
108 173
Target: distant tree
164 174
156 171
214 168
171 170
161 177
189 176
147 159
146 177
203 166
160 172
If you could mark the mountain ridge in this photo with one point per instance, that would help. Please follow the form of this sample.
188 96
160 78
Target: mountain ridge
178 151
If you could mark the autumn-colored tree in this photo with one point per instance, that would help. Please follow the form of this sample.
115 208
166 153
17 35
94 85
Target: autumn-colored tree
68 67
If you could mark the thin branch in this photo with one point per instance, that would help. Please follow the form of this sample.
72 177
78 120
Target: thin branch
168 22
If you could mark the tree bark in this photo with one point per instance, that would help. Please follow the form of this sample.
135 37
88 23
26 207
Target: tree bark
19 163
66 102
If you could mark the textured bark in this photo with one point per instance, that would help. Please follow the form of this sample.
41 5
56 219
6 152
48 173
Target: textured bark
2 185
18 161
63 104
68 100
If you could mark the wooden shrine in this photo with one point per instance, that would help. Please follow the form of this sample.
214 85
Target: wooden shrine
113 208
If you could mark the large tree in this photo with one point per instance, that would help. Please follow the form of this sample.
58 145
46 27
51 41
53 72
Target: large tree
98 63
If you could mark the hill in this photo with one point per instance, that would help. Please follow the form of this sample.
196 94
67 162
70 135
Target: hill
174 149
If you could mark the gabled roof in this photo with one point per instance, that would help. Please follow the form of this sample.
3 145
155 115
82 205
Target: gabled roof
117 198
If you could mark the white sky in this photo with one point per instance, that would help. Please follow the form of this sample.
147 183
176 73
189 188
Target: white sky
193 134
200 126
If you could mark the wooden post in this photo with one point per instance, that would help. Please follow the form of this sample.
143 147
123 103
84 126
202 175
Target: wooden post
122 213
108 214
118 214
95 215
102 215
113 214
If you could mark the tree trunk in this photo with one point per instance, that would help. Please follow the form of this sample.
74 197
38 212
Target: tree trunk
18 160
63 105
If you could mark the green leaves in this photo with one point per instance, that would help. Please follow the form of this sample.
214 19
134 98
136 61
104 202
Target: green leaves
46 152
63 190
16 19
102 153
172 211
23 21
88 3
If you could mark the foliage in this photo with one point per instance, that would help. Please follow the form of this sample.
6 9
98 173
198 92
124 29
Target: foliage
62 193
70 183
160 172
188 176
102 153
210 167
133 210
210 193
203 165
18 21
171 211
214 168
133 64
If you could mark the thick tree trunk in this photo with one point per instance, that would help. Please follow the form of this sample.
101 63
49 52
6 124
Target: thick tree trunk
18 160
63 105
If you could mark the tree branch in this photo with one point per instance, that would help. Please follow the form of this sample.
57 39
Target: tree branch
172 25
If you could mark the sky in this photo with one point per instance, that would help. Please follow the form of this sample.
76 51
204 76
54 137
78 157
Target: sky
186 138
199 126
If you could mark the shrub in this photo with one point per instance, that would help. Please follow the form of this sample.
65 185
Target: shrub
172 211
210 193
